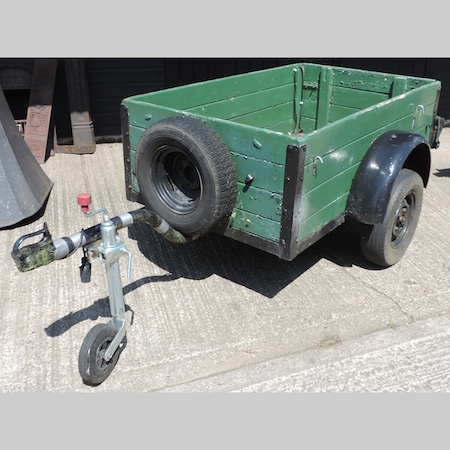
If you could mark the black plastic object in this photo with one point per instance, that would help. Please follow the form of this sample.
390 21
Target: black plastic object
85 269
374 180
24 186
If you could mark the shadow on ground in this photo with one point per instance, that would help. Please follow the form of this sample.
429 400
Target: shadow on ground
218 255
442 173
255 269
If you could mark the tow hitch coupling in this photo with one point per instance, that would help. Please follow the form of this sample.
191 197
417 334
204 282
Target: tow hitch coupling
100 243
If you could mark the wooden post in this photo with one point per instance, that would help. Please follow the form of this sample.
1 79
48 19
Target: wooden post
324 99
39 113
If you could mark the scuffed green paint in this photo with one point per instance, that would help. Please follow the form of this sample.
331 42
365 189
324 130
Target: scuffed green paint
259 201
342 112
255 224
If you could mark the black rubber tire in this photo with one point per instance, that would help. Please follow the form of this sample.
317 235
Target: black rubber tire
91 365
186 174
385 244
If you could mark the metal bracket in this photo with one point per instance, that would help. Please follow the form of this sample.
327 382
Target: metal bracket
317 158
419 110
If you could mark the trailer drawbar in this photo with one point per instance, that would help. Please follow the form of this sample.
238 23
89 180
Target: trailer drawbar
103 344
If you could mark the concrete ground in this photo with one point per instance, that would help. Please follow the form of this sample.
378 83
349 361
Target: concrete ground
216 315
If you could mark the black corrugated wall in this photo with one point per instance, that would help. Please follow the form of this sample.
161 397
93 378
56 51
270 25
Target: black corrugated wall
111 80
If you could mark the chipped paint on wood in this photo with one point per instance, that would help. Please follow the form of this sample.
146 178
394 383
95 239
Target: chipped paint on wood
342 112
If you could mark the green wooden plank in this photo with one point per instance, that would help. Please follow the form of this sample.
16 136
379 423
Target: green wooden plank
356 99
254 142
324 99
235 107
211 91
309 109
340 112
135 136
266 118
322 217
143 115
284 126
399 86
266 175
259 201
416 82
310 90
311 74
256 225
308 125
374 81
363 80
338 185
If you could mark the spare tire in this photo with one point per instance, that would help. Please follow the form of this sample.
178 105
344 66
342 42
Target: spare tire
186 174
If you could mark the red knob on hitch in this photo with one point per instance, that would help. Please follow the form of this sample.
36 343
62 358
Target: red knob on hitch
84 200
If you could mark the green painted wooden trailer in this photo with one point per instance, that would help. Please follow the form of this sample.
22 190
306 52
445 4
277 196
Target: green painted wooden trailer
278 158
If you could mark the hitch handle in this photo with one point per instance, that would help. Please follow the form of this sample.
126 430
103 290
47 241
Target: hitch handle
45 232
84 200
34 255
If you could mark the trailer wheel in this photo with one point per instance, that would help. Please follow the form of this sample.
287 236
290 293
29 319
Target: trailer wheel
384 244
186 174
91 363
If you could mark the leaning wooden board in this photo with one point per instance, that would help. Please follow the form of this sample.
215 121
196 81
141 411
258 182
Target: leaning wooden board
39 113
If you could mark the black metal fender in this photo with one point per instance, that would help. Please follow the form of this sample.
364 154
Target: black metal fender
372 185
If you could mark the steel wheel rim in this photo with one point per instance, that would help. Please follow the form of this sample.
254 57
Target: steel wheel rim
100 363
403 219
177 180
